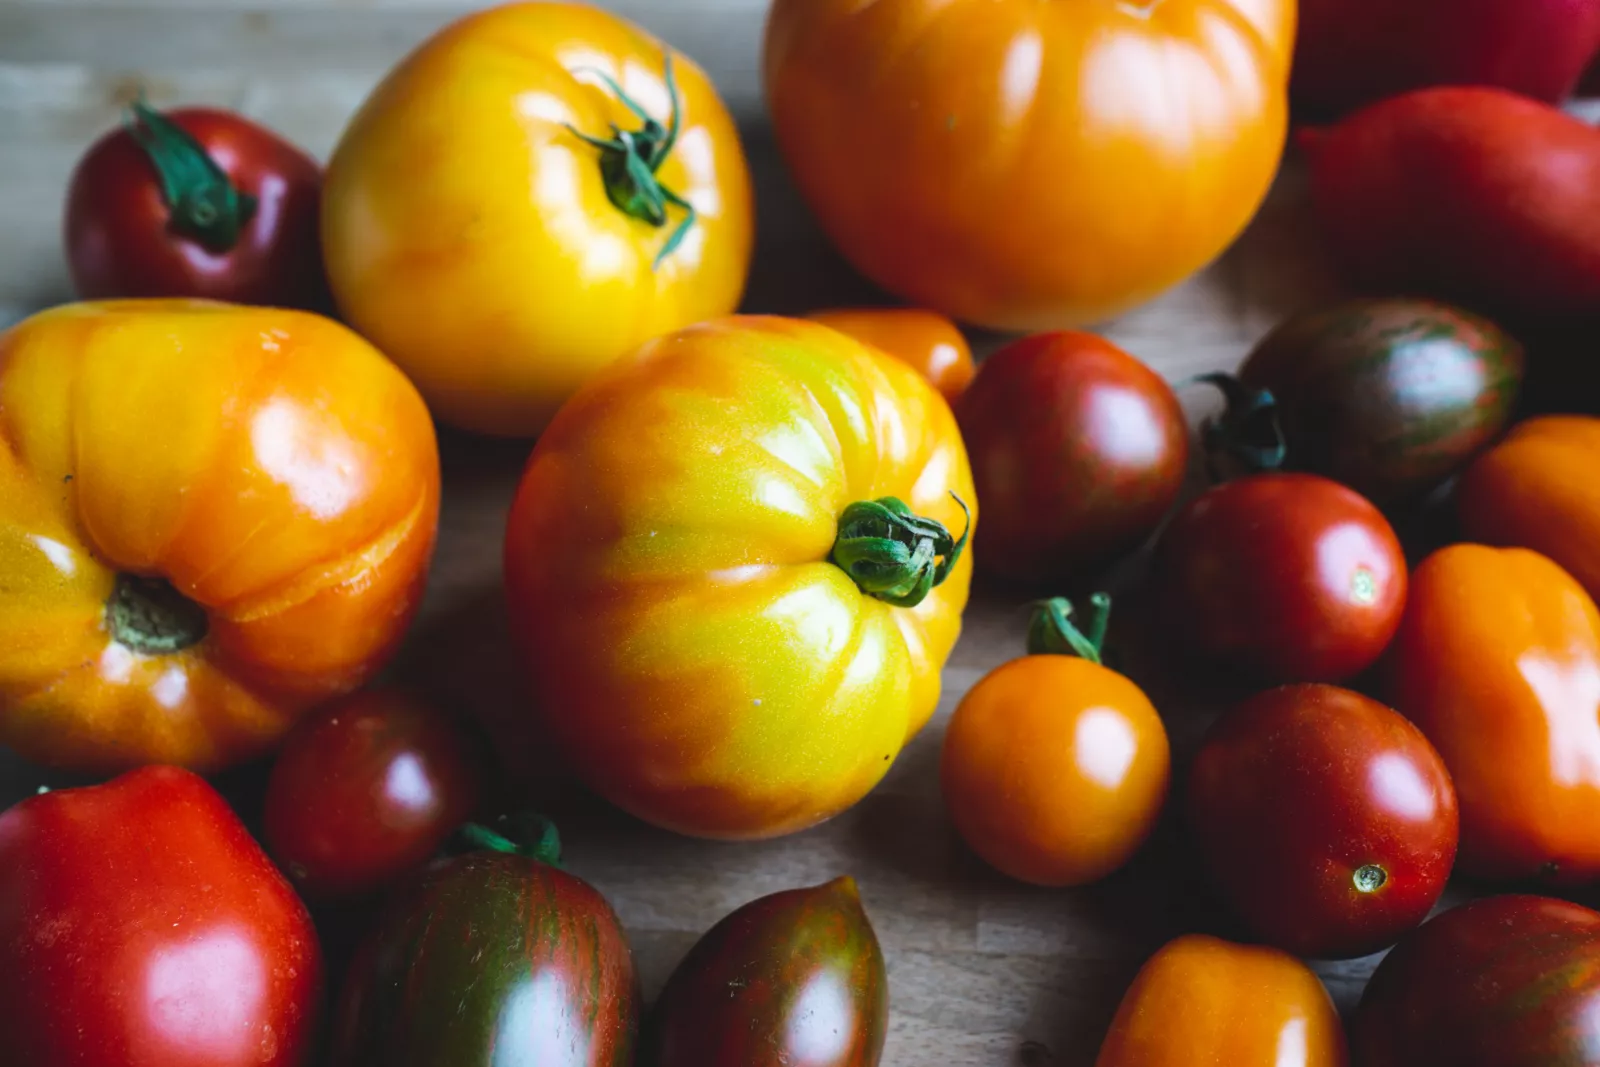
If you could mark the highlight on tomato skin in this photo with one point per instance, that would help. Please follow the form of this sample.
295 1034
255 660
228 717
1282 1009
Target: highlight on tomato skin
925 340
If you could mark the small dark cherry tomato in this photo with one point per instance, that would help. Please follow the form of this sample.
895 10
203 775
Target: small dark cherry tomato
1078 451
197 203
1287 577
1328 821
366 790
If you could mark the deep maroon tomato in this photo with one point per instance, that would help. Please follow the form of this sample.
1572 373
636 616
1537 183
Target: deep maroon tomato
366 790
197 203
1078 451
1287 577
1328 821
141 926
1509 981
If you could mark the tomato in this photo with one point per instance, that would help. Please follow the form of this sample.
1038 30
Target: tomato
1498 661
926 340
532 193
793 978
1079 451
366 789
1203 1002
211 519
1537 490
495 957
1389 397
1501 981
198 203
734 572
140 926
1288 577
1328 821
1014 164
1055 767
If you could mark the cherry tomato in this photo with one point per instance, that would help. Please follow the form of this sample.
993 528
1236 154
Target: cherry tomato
1055 767
1290 577
926 340
1329 822
365 790
1078 451
196 202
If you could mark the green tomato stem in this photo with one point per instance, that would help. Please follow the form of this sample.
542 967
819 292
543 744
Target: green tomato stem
892 553
204 205
1053 633
152 618
1249 429
533 836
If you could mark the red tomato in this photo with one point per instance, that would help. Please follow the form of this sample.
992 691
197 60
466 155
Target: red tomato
1289 577
1077 449
1328 821
141 926
196 203
365 790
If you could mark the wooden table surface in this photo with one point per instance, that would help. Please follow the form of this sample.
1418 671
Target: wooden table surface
983 971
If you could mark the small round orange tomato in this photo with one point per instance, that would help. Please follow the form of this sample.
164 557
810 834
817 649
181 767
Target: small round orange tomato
929 342
535 191
1055 767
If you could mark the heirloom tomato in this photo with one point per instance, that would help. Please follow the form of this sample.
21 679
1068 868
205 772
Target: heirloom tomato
1539 489
1055 767
1328 821
1498 661
211 518
1030 166
533 192
141 926
1204 1002
1506 981
735 574
1289 577
925 339
196 203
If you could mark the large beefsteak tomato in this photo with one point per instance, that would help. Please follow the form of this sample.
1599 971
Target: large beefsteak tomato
211 518
1030 165
734 571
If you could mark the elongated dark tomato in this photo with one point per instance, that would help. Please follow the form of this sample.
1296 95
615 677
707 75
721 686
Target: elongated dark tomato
795 979
492 959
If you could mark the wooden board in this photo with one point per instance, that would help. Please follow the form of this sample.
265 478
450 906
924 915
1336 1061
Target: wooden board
983 971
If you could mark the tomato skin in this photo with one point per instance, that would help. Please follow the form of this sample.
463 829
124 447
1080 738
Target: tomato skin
1498 981
121 243
143 927
1297 790
1289 577
1078 451
365 789
1054 769
1495 662
925 340
740 998
263 477
1204 1002
499 273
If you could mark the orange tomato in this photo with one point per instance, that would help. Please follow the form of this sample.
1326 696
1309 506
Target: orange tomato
479 234
926 340
1538 490
1028 165
211 518
1055 767
1204 1002
1498 662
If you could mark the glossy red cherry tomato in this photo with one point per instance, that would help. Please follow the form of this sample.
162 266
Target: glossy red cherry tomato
1288 577
199 203
1328 821
1077 450
366 790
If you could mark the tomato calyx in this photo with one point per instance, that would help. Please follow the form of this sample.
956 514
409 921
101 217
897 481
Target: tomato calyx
203 204
1052 632
533 836
150 617
894 554
1248 430
629 160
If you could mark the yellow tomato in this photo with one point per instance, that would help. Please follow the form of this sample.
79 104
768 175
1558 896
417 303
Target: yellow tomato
725 634
476 231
